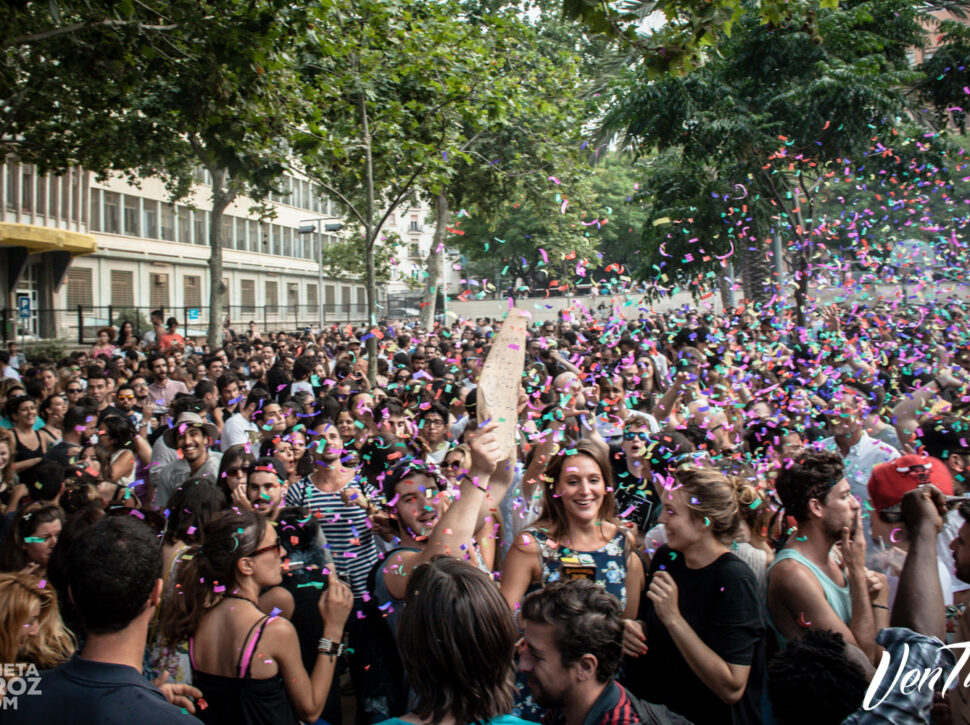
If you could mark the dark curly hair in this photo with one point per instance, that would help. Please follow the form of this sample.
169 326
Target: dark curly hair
118 560
585 620
813 681
811 475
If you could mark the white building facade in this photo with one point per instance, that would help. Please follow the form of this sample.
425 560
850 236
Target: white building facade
87 253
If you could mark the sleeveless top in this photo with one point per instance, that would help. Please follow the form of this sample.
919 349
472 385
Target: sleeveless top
24 453
243 700
130 478
606 566
389 606
837 597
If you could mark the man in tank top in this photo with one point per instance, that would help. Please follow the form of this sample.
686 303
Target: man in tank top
819 580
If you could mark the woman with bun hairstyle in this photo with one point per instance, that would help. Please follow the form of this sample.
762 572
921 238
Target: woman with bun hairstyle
701 628
217 611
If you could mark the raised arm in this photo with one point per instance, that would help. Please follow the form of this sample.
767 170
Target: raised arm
919 599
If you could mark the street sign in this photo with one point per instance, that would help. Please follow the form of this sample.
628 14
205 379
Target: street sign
23 306
194 314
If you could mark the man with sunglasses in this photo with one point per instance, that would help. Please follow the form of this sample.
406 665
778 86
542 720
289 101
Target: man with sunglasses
125 402
637 482
74 391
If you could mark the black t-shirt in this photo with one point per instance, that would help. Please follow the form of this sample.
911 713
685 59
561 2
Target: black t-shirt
637 499
720 602
84 691
62 452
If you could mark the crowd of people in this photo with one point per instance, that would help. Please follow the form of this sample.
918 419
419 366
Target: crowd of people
705 518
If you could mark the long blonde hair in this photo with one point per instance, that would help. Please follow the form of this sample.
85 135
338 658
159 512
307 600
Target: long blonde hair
53 645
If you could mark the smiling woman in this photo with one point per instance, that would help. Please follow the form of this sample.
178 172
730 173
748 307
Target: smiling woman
578 536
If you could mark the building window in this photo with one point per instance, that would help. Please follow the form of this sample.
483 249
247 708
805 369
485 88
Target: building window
27 187
200 227
131 216
241 241
311 296
345 296
361 297
168 222
96 210
331 295
12 182
227 241
122 288
79 290
192 291
66 195
150 219
414 226
272 297
112 212
287 234
75 175
293 295
41 194
53 199
247 295
158 292
184 224
272 240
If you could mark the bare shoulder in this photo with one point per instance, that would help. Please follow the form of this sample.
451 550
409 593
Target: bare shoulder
526 543
788 576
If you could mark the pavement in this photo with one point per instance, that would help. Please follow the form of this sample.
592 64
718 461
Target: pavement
631 306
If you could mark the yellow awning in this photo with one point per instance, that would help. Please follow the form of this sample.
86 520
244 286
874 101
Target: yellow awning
38 239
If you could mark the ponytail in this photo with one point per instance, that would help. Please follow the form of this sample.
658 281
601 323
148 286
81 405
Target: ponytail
208 571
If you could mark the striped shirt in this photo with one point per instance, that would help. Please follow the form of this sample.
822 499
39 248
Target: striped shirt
347 529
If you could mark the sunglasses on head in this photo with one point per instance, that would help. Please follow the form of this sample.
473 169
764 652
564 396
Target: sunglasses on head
629 435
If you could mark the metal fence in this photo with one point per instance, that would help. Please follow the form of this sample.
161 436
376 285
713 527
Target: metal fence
80 325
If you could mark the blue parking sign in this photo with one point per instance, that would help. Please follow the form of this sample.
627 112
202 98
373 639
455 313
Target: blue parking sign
194 314
23 306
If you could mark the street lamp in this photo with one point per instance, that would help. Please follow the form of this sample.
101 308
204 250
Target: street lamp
309 226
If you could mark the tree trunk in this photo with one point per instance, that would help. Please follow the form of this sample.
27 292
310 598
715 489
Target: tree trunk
434 263
370 234
801 283
725 281
222 197
757 271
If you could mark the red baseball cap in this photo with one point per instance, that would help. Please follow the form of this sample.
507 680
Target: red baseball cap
889 481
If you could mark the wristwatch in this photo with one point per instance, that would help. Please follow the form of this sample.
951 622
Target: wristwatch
328 647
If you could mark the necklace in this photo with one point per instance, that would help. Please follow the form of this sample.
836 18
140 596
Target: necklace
237 596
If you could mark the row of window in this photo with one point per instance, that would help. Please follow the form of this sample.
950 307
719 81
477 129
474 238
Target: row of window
293 192
134 216
80 291
54 197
